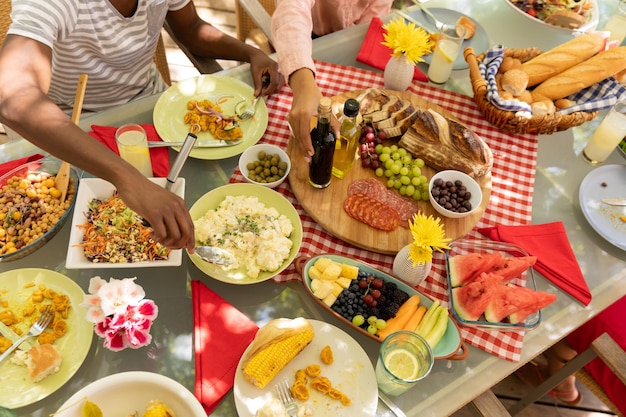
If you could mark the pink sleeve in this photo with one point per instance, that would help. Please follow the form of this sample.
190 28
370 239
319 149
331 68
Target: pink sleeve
377 8
291 34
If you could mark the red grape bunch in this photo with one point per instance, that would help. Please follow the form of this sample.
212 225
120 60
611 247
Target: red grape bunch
368 141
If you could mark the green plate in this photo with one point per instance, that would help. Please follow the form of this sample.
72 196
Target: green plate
450 346
171 107
267 196
17 388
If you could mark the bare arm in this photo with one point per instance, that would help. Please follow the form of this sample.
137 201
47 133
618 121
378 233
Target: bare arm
25 71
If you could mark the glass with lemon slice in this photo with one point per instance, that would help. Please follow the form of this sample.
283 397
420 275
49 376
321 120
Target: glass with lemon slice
446 50
403 359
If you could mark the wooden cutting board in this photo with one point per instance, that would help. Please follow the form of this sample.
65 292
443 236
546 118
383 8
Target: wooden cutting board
325 206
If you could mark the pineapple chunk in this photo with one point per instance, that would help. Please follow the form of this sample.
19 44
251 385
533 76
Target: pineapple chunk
349 271
344 282
322 263
315 273
332 271
315 284
337 289
324 290
330 299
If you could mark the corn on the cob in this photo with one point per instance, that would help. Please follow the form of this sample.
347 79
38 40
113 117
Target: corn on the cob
276 350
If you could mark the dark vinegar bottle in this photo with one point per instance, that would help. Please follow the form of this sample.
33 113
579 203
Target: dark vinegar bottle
323 140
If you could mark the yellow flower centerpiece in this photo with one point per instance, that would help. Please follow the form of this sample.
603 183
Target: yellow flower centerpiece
407 40
428 236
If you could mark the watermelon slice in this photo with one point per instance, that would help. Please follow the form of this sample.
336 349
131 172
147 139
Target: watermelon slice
466 268
471 300
510 267
542 299
508 299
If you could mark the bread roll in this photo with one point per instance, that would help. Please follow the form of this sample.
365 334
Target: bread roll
509 63
562 57
542 108
574 79
526 97
43 360
515 81
469 26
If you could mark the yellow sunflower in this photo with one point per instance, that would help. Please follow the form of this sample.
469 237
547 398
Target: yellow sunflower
406 39
428 236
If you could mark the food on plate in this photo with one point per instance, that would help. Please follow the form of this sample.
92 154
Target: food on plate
466 24
273 347
482 287
209 116
326 355
266 168
154 408
30 206
401 318
597 68
447 144
114 233
313 370
562 57
434 324
371 187
305 379
563 13
372 212
272 408
325 386
452 196
40 361
257 235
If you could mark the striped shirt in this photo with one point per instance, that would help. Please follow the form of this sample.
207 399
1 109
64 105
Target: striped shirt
93 37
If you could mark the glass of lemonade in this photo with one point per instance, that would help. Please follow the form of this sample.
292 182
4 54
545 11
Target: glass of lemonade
617 23
403 359
132 143
609 134
446 50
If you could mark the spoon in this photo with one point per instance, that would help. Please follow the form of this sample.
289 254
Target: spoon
215 255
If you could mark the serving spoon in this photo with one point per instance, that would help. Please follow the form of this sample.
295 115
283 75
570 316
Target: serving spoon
215 255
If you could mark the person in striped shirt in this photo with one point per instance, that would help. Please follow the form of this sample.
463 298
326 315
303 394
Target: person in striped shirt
50 43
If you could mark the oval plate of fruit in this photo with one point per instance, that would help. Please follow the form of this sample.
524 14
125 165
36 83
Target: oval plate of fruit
375 303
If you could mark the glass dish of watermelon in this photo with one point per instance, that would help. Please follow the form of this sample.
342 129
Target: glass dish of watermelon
492 286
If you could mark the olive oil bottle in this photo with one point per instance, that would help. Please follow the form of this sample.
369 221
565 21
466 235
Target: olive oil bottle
323 140
349 134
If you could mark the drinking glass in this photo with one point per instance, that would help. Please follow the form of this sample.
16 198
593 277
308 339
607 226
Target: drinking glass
403 359
617 23
609 134
132 143
446 50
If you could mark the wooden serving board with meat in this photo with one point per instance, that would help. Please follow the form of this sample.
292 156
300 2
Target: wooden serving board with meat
359 208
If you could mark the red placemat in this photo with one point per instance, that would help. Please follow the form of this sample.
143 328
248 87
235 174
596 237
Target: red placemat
513 178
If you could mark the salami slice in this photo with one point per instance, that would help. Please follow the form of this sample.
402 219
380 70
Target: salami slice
371 212
374 189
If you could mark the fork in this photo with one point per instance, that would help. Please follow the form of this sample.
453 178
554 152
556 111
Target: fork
283 392
438 23
35 330
249 111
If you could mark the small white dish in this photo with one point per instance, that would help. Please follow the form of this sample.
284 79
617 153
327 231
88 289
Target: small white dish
252 154
589 26
91 188
470 184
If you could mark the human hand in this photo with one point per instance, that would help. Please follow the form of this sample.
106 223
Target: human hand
306 98
263 67
166 212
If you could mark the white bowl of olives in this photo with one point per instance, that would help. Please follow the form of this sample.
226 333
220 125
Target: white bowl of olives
454 194
264 164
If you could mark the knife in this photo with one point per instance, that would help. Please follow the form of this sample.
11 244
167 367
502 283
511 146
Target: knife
394 408
614 201
206 144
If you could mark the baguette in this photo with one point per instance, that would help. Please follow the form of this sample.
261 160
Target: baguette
574 79
562 57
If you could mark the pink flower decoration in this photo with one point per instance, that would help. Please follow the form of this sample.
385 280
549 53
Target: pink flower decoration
121 315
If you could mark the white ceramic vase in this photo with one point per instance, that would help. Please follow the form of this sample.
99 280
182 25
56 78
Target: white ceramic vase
403 268
398 73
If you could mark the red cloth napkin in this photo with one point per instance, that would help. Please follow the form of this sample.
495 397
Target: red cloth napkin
8 166
159 157
555 257
222 333
375 54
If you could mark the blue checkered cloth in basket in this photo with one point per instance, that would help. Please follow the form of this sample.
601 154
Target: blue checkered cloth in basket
599 96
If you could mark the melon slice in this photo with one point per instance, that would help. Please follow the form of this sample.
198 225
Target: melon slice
508 299
509 267
466 268
542 299
471 300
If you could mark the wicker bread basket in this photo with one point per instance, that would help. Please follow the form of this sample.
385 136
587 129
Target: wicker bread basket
507 120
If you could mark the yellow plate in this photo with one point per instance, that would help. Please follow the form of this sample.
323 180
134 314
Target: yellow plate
172 106
17 388
266 196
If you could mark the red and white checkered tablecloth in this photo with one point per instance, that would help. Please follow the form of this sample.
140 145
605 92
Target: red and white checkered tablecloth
513 177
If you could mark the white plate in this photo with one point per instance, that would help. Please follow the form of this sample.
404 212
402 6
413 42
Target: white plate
172 106
91 188
608 181
480 40
17 389
351 372
590 26
124 393
269 198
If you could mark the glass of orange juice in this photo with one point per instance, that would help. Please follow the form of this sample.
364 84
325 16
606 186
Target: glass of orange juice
132 143
446 50
403 359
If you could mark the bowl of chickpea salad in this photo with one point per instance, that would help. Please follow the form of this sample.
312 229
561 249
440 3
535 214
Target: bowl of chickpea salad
31 211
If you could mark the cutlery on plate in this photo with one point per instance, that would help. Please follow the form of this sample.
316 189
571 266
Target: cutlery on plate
410 19
215 255
35 330
210 144
283 393
438 23
394 408
250 110
614 201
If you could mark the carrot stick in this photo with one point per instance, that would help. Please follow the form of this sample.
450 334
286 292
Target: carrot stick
415 319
